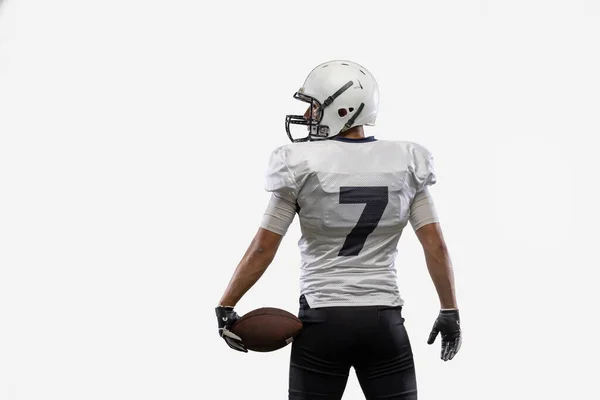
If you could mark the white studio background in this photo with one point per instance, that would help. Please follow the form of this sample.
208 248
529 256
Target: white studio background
133 140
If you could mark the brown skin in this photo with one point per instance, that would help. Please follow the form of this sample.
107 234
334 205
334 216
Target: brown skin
438 263
254 263
356 132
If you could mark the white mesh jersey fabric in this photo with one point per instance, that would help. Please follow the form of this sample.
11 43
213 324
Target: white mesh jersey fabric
354 200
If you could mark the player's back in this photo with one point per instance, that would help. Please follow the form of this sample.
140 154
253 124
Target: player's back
354 198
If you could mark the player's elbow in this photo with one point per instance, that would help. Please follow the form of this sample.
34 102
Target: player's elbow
435 247
433 243
265 244
431 238
265 252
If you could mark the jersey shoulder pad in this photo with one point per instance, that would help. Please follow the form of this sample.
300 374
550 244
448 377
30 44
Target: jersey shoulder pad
279 175
421 165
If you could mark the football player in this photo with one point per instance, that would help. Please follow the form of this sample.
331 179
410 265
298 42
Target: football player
353 194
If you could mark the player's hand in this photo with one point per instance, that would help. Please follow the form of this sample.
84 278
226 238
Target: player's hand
448 324
226 317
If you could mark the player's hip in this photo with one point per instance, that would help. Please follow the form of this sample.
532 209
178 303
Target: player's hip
355 333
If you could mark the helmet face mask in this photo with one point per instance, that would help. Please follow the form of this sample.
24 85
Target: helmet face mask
340 95
311 119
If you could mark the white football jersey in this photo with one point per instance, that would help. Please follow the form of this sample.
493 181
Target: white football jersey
354 198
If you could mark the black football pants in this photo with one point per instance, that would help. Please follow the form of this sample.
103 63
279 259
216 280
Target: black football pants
373 340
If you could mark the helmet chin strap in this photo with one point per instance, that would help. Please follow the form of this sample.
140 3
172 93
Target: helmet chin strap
330 100
350 122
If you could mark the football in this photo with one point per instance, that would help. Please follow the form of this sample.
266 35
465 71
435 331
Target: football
267 329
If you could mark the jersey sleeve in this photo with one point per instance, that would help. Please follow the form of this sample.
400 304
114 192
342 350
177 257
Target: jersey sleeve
422 167
279 215
422 210
279 176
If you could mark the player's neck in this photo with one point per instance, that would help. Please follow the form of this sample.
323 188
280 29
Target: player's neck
356 132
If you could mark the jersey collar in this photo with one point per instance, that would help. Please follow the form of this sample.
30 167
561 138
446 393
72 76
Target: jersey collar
351 140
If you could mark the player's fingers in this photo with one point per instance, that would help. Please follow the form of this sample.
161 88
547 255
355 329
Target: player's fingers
451 354
445 350
454 347
452 350
432 335
459 343
228 333
240 347
243 348
235 345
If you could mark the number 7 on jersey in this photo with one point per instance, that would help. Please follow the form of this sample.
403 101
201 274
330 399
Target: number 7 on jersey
376 200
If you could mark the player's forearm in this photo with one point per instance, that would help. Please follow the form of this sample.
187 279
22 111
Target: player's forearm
440 270
256 260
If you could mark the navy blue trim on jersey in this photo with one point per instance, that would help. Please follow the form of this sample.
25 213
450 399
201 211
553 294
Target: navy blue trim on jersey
350 140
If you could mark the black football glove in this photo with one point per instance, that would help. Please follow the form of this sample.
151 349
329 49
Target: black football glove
448 323
226 317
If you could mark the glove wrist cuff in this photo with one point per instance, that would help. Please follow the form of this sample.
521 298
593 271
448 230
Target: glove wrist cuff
449 311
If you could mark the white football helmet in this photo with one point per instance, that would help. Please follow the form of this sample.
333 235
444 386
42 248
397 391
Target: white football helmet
341 94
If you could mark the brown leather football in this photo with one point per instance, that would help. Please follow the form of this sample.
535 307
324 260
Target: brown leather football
267 329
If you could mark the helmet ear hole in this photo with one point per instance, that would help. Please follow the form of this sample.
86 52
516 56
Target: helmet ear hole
342 112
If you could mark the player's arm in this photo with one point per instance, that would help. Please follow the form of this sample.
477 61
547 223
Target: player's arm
440 268
425 222
256 260
263 247
438 263
253 264
276 220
